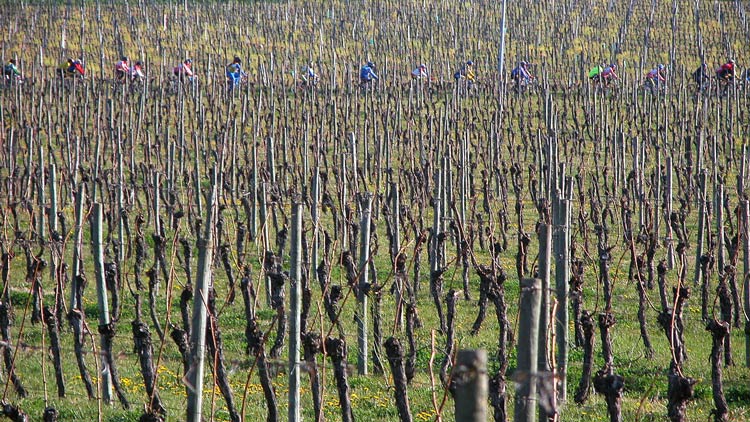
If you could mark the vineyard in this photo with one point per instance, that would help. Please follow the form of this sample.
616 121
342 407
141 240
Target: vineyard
406 249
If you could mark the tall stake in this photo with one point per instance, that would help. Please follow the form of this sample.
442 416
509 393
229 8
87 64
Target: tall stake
531 301
266 240
270 160
545 256
77 247
545 261
157 205
101 296
472 384
719 210
200 295
314 213
746 264
295 317
435 257
701 225
400 286
53 198
562 275
365 201
41 228
120 202
501 55
668 216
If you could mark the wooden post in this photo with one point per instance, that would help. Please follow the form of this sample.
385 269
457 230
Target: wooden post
120 201
200 302
527 349
395 210
501 55
77 247
719 210
353 147
435 257
157 205
42 226
295 316
545 262
746 267
314 213
657 195
270 159
561 222
197 169
365 201
101 296
668 216
255 192
266 241
472 384
701 225
53 198
344 230
545 256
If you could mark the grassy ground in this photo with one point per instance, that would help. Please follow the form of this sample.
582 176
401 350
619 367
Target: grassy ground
645 380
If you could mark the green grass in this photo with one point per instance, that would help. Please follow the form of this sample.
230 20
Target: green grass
645 380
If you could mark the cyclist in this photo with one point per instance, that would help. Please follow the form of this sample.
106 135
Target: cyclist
308 76
71 68
595 73
521 74
608 74
136 72
367 74
700 76
11 72
184 70
656 78
122 70
466 72
420 72
726 72
235 72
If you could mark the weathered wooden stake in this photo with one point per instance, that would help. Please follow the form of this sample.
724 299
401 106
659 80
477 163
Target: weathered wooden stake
719 211
200 300
77 247
670 242
561 222
53 198
294 414
41 197
701 225
101 296
528 347
545 257
746 265
470 376
400 281
266 233
365 201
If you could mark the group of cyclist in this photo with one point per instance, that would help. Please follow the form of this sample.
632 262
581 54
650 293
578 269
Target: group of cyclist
367 73
725 75
124 72
657 77
602 75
